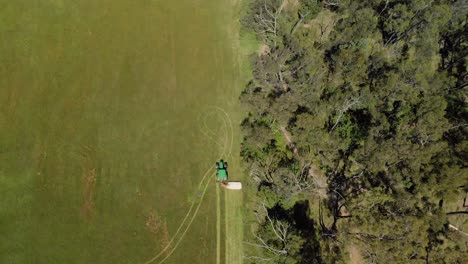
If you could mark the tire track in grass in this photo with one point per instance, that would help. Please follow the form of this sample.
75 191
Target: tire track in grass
187 215
218 197
218 226
206 131
231 132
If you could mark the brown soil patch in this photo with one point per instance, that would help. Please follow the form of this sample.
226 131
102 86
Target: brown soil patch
320 181
344 211
355 256
290 4
155 225
287 137
263 50
158 229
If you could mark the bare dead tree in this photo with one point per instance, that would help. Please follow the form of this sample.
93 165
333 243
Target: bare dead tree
267 19
264 245
457 229
258 258
302 16
305 182
347 104
324 28
280 230
423 138
385 7
457 126
258 175
332 3
261 171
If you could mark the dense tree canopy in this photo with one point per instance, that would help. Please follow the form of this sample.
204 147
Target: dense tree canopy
358 117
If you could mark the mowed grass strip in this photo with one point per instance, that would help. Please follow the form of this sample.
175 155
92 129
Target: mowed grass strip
234 227
100 150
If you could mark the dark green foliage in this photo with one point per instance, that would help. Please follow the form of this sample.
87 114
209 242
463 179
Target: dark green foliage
377 101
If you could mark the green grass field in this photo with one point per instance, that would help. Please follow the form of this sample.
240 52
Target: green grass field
112 114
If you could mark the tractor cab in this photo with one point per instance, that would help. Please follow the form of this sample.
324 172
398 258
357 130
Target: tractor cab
221 171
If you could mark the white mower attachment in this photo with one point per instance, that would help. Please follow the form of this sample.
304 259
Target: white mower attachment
232 185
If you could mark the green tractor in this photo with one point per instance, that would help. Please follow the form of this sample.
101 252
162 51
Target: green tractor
221 171
222 177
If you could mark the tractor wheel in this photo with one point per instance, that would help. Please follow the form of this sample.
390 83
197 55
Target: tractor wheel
225 164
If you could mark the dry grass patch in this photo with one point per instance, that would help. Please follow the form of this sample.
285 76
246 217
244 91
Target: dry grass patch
89 182
158 229
355 256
